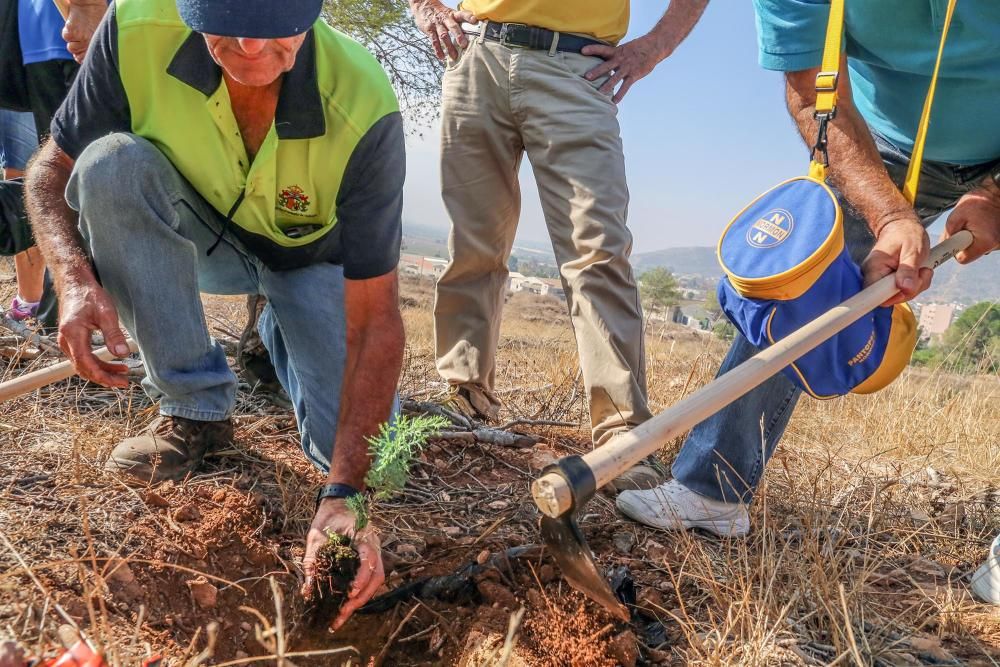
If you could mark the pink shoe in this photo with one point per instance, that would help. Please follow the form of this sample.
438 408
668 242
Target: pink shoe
20 311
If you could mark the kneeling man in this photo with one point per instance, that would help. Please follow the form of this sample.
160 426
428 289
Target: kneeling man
232 147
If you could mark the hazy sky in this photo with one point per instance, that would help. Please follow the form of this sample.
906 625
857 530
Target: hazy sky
704 133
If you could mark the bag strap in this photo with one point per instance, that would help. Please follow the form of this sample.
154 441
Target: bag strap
917 157
826 98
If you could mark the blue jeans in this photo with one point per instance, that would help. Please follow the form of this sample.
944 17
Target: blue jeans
18 140
724 456
147 231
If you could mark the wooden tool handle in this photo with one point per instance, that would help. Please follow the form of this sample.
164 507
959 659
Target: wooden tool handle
49 374
552 493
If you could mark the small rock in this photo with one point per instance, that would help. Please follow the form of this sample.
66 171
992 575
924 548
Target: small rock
440 464
242 655
245 626
655 552
624 648
930 646
407 552
496 595
189 512
499 505
535 598
153 499
623 542
122 582
483 556
542 457
452 531
649 598
434 539
219 496
928 568
546 573
204 593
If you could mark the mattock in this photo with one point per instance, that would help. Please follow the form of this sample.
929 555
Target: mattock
566 486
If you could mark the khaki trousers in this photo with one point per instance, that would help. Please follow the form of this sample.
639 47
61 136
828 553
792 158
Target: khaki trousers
498 104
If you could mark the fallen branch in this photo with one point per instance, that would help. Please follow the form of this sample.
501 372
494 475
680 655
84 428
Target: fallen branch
537 422
489 436
43 343
426 408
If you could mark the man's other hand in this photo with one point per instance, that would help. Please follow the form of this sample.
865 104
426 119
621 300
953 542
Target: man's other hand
333 516
81 24
84 309
979 213
902 247
443 25
626 64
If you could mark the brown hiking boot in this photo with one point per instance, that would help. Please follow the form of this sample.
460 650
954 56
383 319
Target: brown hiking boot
254 359
171 448
470 404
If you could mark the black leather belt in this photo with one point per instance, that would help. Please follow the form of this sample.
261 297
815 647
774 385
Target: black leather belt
529 37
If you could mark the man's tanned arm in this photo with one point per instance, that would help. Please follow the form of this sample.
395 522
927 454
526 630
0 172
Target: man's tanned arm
375 341
84 306
631 61
858 172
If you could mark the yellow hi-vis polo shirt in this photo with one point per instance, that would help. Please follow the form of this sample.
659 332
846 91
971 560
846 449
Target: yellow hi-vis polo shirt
606 20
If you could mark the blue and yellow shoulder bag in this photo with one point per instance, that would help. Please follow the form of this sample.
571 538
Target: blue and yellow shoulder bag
786 262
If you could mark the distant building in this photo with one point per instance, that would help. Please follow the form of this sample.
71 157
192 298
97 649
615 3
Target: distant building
694 317
415 265
517 282
935 318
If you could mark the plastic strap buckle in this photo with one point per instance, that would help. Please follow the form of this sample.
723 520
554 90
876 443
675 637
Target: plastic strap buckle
826 82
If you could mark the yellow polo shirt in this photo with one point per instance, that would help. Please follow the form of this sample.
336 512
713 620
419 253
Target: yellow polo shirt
606 20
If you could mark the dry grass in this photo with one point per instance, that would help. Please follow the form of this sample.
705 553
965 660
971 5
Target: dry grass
868 524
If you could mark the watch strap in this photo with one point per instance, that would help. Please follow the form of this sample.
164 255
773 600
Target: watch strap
336 491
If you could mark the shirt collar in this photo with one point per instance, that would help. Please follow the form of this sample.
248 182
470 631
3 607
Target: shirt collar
299 114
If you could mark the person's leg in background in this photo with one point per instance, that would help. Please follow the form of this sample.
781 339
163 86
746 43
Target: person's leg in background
48 82
573 141
480 154
18 141
724 457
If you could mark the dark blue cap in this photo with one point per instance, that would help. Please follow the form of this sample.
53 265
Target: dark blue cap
258 19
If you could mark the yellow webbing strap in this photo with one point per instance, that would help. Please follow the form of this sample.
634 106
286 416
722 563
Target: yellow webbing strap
917 158
826 80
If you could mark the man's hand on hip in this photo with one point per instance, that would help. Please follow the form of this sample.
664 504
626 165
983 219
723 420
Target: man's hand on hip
979 213
84 309
443 25
626 63
902 246
333 516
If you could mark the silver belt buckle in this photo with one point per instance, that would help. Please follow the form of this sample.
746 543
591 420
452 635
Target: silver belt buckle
505 33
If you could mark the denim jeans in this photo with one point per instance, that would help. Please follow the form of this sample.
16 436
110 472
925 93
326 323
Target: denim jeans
18 140
724 456
147 232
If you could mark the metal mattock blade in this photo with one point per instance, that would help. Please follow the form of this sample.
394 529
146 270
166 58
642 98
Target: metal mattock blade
565 542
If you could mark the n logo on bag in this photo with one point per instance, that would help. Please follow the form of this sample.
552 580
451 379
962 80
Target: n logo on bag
771 229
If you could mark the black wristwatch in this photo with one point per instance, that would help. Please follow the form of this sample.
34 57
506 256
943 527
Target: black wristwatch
335 491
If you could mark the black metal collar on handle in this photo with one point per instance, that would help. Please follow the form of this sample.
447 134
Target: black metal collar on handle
578 475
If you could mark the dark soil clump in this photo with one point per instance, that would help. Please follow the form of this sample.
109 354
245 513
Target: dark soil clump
337 564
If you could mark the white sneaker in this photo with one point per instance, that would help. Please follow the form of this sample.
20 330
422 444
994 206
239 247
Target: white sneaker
673 506
986 580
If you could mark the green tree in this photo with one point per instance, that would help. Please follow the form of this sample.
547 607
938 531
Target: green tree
386 28
712 305
659 289
972 342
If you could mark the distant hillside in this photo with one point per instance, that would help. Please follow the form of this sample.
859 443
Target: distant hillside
696 261
979 281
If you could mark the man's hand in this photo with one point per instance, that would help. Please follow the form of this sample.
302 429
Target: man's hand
333 516
902 246
84 309
979 213
81 24
443 25
626 63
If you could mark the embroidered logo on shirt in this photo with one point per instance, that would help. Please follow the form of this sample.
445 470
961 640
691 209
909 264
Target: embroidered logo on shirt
293 200
771 229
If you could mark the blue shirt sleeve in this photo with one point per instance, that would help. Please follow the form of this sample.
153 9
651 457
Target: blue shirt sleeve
790 33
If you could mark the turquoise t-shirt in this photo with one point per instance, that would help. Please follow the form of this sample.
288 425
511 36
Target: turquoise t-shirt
891 47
